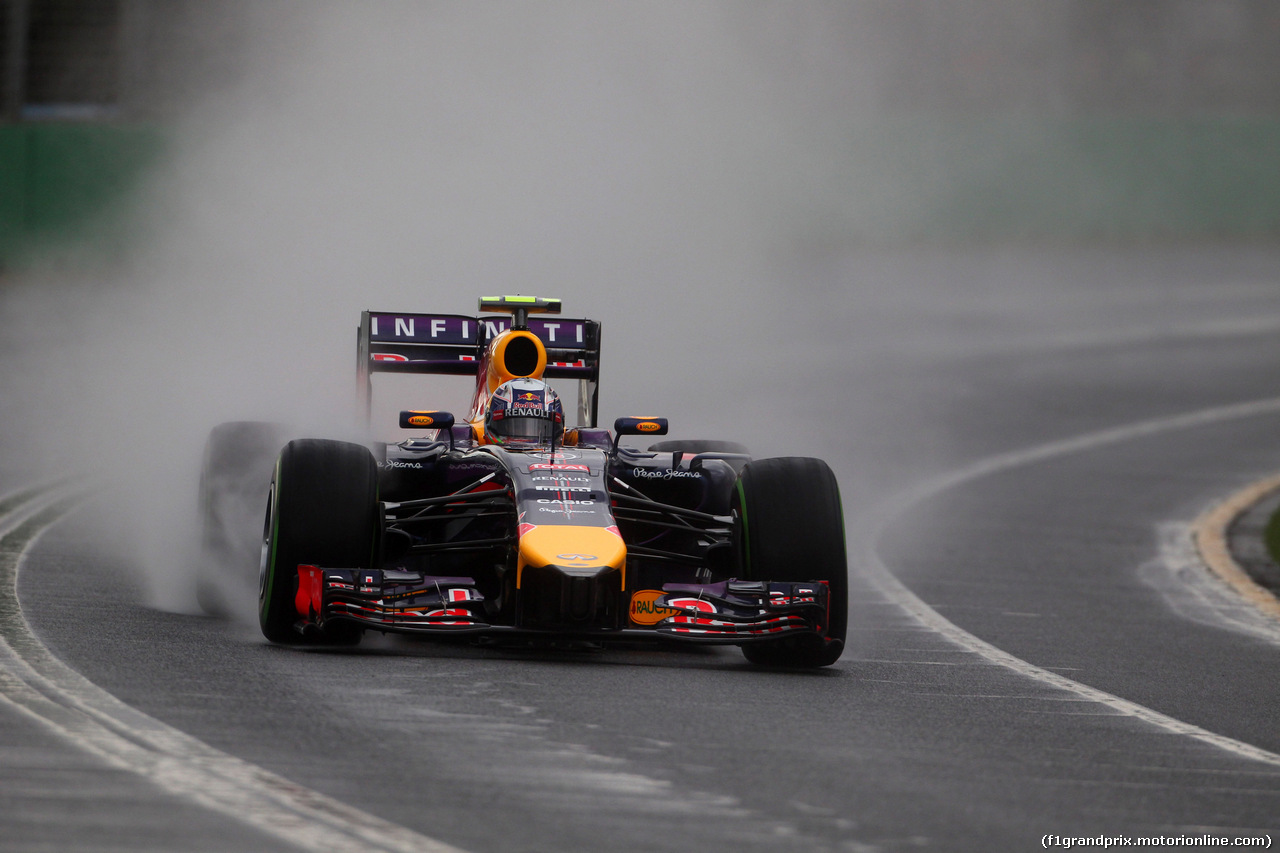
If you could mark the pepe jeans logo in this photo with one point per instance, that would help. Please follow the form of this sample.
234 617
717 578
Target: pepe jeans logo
664 474
396 463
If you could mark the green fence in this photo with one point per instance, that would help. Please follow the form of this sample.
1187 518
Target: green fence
67 183
909 179
1080 179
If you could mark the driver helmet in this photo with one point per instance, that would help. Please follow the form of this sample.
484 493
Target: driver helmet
524 413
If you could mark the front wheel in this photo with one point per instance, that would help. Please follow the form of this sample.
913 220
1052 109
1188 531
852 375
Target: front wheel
322 511
790 527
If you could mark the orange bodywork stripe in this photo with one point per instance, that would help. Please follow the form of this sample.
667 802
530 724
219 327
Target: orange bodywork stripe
574 546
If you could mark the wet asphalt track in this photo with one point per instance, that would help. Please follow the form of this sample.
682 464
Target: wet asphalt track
910 742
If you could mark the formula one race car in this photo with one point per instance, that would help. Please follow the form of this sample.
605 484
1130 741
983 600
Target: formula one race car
509 525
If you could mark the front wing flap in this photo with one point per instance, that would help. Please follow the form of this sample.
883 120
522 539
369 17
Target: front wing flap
390 600
729 612
744 611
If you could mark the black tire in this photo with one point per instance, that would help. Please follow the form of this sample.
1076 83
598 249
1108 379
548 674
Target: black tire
790 527
322 510
234 479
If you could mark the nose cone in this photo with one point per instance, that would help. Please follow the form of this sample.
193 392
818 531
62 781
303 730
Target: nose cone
574 550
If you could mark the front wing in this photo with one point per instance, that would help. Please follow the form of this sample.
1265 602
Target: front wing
729 612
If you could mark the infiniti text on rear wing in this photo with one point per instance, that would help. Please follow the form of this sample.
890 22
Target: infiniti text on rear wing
454 343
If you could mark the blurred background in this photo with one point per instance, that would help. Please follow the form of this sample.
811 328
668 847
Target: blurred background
934 120
786 214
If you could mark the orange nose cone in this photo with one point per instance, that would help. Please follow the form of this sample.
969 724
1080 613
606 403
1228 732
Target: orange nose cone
591 550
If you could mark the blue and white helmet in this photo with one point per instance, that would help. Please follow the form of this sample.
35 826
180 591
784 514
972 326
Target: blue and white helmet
524 413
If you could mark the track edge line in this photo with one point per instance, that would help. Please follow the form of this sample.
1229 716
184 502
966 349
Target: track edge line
1209 532
867 533
176 762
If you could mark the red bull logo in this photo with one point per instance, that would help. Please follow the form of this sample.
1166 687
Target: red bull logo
529 397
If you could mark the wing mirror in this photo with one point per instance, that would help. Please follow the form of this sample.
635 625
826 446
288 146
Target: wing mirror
638 426
428 419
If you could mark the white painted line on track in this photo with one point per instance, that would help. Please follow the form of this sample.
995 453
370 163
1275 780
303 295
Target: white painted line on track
37 684
866 533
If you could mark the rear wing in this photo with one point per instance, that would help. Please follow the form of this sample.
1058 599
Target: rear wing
453 344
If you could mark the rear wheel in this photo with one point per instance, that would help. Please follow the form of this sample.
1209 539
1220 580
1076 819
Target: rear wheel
323 511
790 527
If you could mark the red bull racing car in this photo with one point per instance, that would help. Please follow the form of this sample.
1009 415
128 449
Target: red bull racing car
510 524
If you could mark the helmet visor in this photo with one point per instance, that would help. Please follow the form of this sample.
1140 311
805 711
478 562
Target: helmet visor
523 430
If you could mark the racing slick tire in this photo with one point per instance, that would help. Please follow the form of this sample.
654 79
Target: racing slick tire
789 527
322 510
234 478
